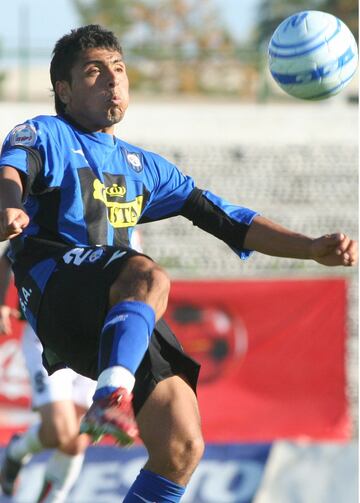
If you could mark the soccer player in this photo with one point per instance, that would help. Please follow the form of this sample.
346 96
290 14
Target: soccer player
61 400
71 194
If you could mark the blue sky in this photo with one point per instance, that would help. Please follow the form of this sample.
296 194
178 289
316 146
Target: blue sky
50 19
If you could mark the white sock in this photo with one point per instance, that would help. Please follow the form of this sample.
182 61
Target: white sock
29 443
116 377
62 471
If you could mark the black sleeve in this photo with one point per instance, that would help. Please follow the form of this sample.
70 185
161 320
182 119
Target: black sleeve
209 217
31 182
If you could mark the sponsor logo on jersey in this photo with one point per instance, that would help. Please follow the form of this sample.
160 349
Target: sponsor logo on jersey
24 134
120 214
114 191
115 256
134 161
77 256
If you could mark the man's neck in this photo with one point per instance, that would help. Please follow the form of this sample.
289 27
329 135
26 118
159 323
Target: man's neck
72 121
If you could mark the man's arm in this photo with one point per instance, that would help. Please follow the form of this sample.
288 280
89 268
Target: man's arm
270 238
243 230
13 218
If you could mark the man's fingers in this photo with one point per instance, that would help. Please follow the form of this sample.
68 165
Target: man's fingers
20 221
11 228
10 236
351 253
336 249
14 227
12 224
343 245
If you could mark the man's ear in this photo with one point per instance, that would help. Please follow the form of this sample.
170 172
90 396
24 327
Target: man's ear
63 91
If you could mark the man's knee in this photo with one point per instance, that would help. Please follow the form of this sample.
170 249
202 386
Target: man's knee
143 280
178 459
185 454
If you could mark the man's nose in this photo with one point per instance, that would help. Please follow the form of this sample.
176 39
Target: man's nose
112 78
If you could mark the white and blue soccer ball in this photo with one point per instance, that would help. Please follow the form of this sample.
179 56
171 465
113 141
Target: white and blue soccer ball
313 55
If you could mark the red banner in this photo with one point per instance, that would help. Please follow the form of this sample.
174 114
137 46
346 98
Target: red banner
272 355
14 382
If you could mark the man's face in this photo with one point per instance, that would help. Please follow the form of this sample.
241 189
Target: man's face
98 95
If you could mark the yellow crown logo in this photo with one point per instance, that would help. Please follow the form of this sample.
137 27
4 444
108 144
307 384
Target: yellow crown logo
125 214
115 190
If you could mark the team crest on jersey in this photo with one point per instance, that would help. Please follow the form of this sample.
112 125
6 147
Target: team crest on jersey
134 161
24 134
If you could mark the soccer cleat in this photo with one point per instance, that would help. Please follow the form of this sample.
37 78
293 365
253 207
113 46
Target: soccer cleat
9 471
112 415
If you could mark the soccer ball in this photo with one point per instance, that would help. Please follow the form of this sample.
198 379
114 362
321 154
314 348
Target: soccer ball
312 55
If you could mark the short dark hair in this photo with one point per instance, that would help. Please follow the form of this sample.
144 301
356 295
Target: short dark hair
67 49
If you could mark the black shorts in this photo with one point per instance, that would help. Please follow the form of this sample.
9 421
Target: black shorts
71 315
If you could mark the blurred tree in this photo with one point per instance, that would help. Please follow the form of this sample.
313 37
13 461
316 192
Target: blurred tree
115 14
180 27
181 36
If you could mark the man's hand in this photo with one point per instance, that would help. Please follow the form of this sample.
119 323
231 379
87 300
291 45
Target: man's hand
12 223
335 249
6 313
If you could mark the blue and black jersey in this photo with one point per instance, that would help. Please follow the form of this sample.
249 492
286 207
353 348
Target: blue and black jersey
92 188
